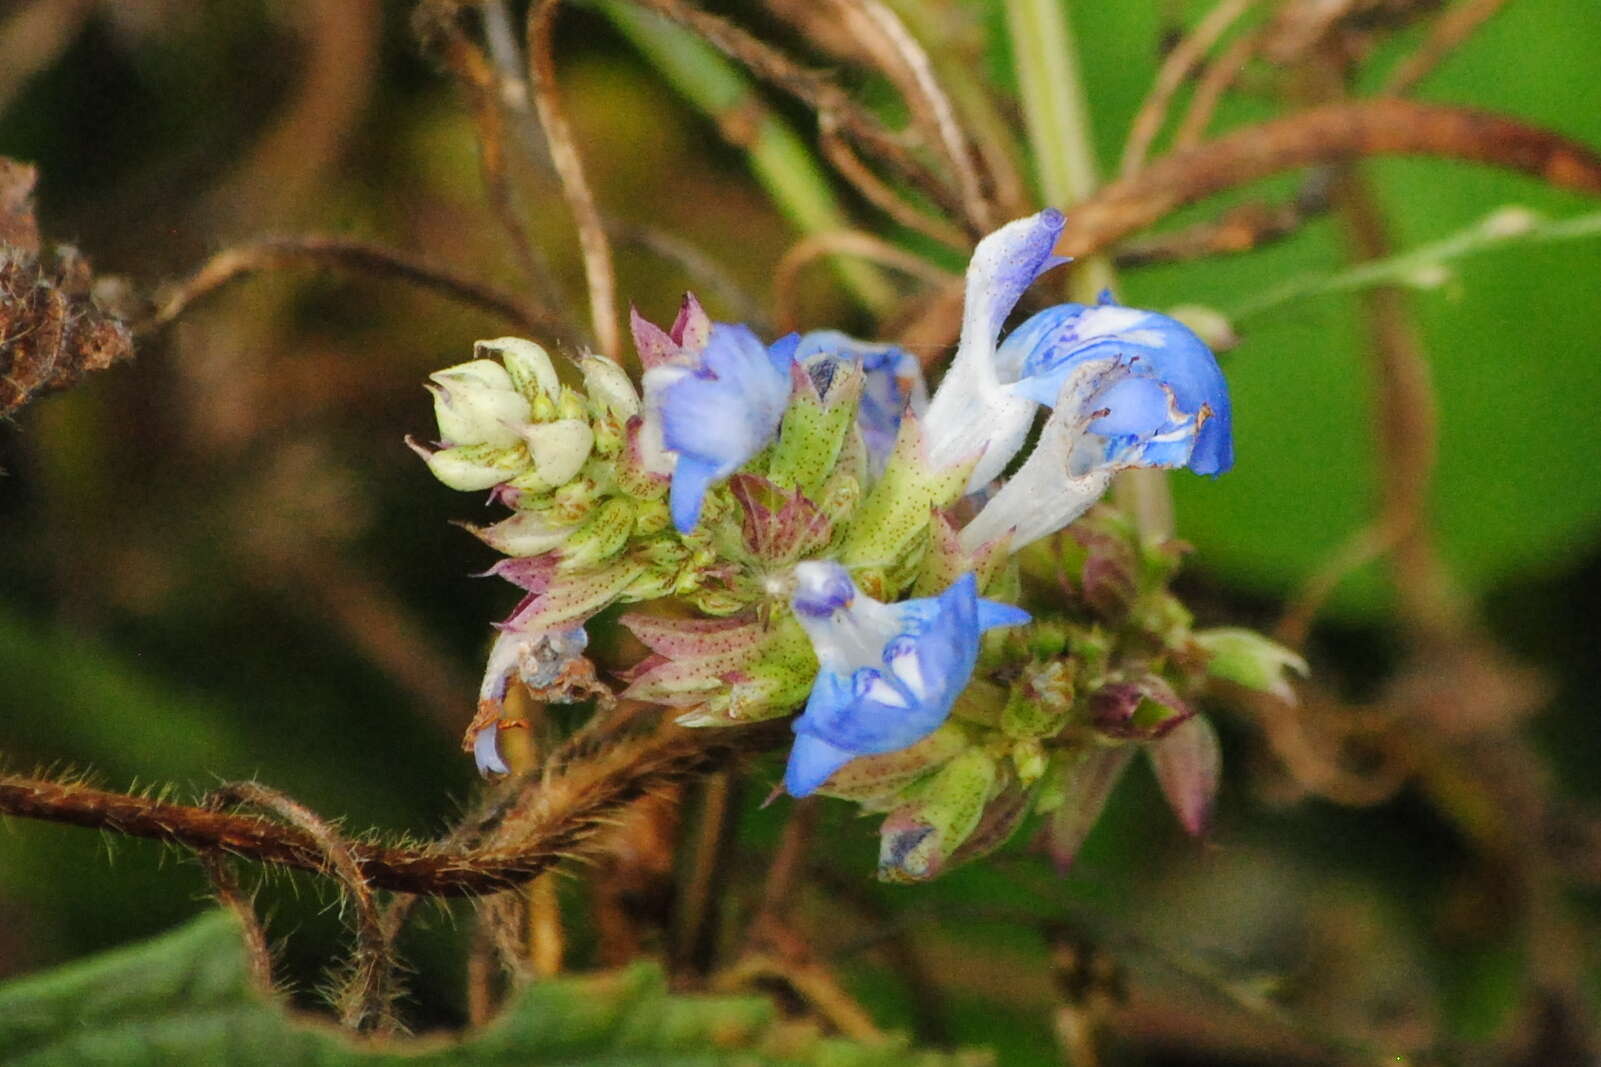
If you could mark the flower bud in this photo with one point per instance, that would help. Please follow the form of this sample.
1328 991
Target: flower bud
473 467
559 448
1140 710
1246 658
611 391
527 364
1083 783
525 533
1188 764
601 537
919 837
475 404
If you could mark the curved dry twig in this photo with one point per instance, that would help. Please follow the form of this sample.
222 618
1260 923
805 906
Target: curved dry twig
1333 133
225 884
813 89
877 192
438 28
599 272
1445 35
1212 84
1176 68
270 253
842 242
906 64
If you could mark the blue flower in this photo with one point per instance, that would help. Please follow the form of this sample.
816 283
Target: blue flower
1164 358
889 672
715 408
1112 413
1168 405
893 385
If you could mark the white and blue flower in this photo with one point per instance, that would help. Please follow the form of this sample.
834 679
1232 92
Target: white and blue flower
712 409
893 385
975 411
890 673
1165 359
1165 404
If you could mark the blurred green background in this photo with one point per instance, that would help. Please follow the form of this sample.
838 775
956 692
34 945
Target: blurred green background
221 562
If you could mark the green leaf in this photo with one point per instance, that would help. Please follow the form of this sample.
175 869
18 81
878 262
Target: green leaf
186 997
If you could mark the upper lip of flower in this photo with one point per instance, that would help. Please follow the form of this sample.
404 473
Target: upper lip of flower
716 408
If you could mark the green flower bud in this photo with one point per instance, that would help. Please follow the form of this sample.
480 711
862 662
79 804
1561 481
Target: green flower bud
526 533
813 431
571 405
1246 658
651 517
475 404
896 512
611 391
603 536
473 467
941 811
527 364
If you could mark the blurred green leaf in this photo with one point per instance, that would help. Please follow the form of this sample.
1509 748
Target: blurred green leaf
186 997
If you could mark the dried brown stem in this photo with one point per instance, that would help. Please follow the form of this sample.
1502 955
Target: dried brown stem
1175 70
1445 34
1243 228
813 89
904 62
838 242
1320 136
274 253
592 241
878 192
439 28
225 884
556 817
1215 80
696 906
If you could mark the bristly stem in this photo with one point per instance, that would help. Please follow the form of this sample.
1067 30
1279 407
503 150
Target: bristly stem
1057 113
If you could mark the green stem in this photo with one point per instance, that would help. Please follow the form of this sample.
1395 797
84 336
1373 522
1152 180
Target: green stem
782 164
1057 113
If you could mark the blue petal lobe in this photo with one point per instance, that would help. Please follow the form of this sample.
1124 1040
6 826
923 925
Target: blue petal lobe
811 763
692 476
994 613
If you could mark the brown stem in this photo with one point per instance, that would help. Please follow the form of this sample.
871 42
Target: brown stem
439 28
1333 133
1176 69
1445 35
1242 228
557 817
598 270
271 253
813 89
878 192
841 242
366 998
882 34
